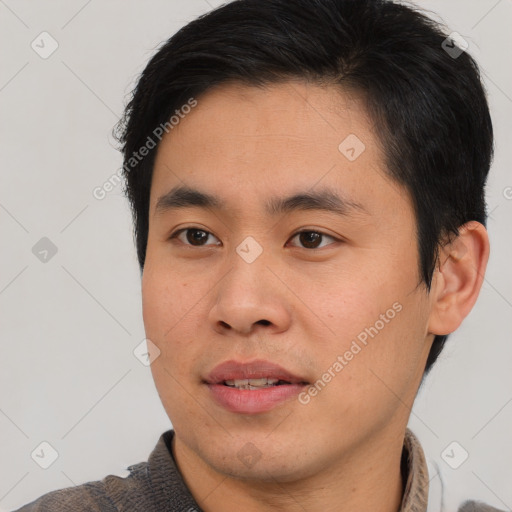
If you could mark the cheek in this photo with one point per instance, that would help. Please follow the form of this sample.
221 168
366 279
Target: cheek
166 298
379 322
173 316
353 301
391 361
155 303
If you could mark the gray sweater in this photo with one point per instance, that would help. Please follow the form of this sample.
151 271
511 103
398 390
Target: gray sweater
157 486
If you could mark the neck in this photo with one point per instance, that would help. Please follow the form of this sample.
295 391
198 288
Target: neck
368 479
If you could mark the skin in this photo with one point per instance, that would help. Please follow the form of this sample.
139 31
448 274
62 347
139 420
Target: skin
203 303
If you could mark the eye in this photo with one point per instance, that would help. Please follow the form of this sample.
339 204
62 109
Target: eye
195 236
310 239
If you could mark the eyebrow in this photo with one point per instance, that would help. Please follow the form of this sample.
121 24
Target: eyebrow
325 199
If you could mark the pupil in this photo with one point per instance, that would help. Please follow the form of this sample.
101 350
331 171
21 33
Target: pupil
194 238
308 238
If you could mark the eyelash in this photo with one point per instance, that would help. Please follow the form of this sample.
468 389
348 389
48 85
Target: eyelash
193 228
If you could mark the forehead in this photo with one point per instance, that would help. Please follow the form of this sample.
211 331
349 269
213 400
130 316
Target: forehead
295 110
242 143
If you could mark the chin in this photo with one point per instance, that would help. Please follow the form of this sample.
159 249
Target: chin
264 471
243 460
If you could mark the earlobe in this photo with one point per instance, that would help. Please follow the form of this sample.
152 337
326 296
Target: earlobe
458 278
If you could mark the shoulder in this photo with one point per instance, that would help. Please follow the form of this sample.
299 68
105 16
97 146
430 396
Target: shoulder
99 496
152 486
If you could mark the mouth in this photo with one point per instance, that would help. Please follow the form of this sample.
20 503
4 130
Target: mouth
258 374
253 387
261 383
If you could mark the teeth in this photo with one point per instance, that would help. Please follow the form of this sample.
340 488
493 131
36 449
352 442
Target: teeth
251 383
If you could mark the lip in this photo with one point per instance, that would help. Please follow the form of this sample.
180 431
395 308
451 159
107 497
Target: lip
254 401
257 369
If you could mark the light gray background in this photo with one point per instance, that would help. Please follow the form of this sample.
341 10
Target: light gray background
69 326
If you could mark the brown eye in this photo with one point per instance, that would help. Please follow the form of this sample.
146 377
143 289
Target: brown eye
311 239
193 236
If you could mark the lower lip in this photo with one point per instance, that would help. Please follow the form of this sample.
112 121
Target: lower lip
252 401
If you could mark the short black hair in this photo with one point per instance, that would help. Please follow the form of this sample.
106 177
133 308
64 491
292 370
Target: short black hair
428 105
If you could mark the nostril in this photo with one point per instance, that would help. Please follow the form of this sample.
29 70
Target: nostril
264 322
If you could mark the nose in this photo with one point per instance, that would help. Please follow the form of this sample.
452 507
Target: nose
250 298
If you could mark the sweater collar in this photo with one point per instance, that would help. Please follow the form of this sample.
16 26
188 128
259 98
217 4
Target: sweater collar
415 469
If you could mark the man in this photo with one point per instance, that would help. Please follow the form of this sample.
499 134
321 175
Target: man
307 183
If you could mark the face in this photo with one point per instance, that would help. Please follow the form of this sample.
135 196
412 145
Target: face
319 294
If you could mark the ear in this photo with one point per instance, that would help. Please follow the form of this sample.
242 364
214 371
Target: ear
458 278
